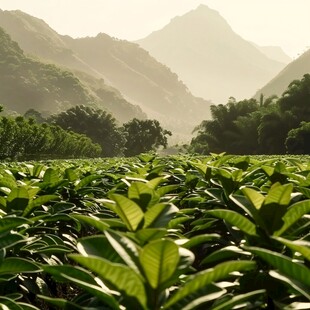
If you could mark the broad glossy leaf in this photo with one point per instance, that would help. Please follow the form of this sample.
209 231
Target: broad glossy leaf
39 202
206 277
61 303
128 211
284 264
8 182
121 277
299 287
51 176
17 265
254 196
126 249
92 221
239 299
159 215
200 239
148 234
293 214
235 219
159 260
142 195
18 199
85 280
303 247
9 240
85 181
8 223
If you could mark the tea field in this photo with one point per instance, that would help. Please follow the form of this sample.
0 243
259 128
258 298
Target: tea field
179 232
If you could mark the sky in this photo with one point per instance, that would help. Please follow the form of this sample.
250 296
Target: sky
284 23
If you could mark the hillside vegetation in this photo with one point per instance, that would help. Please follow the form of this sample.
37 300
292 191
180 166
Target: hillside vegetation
139 77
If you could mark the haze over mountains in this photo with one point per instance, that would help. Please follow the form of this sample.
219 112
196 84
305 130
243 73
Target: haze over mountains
140 78
210 57
293 71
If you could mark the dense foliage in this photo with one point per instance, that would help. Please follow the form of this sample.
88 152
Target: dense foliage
258 127
156 233
143 136
22 139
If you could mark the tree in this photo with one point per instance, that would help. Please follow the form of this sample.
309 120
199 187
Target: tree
221 134
298 139
97 124
143 136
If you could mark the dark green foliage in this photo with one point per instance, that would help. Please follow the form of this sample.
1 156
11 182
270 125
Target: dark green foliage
97 124
22 138
144 136
298 140
251 127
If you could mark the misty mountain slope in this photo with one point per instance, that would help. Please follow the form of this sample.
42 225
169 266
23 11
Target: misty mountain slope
294 70
140 78
27 83
36 38
274 52
212 60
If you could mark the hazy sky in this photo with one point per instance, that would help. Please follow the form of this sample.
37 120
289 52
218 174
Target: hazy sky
285 23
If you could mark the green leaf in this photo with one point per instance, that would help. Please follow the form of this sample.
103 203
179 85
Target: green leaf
128 211
284 264
121 277
299 287
77 275
159 215
279 194
126 249
293 214
18 199
17 265
8 223
254 196
10 240
239 299
148 234
8 182
303 247
142 195
85 181
41 200
199 239
51 176
93 221
159 260
199 280
235 219
61 303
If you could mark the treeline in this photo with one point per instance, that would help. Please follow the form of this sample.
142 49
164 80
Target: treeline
267 126
78 132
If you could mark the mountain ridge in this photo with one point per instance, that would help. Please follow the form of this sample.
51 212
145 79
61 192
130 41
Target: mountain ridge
202 48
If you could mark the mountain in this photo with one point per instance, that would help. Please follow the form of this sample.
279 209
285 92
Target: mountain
211 59
139 77
293 71
27 83
274 52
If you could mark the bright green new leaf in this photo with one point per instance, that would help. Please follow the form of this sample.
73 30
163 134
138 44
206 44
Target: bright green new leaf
293 214
303 247
128 211
254 196
159 215
18 199
201 279
159 260
119 276
92 221
235 219
284 264
279 194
